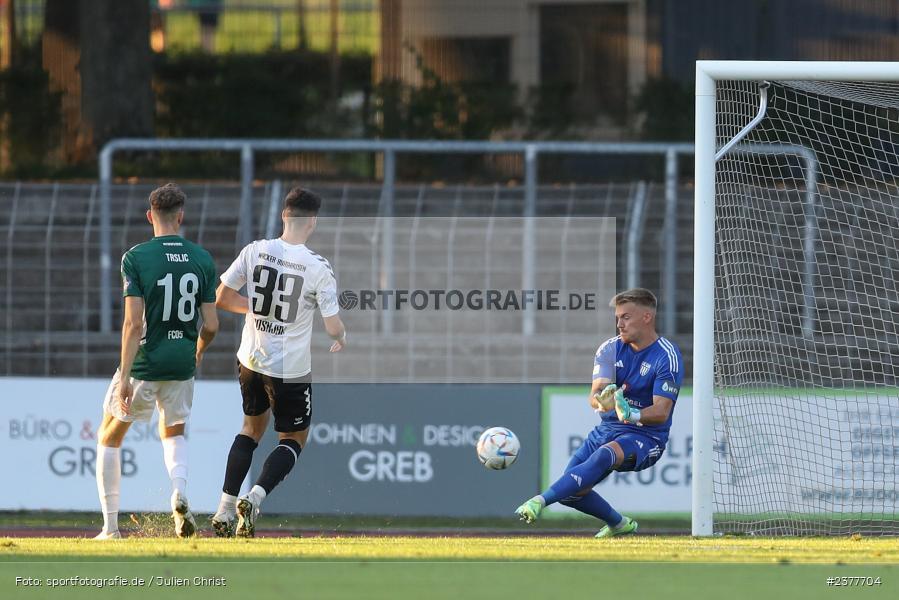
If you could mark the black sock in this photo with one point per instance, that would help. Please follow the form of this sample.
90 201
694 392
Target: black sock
278 464
239 460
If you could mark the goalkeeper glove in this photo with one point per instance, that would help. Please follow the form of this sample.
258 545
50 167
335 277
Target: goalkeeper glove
605 400
626 413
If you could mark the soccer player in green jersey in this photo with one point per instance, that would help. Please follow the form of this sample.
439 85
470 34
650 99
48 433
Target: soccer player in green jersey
169 283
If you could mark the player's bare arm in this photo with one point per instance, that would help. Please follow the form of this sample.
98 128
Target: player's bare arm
658 412
231 300
336 329
209 329
132 329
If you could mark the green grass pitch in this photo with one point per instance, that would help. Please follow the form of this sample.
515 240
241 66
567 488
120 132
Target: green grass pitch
362 567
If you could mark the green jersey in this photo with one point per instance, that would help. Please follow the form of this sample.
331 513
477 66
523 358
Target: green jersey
173 276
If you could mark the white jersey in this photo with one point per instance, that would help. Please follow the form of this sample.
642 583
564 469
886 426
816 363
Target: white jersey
285 283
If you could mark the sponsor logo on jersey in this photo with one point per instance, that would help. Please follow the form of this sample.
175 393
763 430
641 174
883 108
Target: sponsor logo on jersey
644 368
619 364
639 443
669 387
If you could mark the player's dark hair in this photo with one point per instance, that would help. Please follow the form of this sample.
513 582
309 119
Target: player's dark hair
167 199
638 296
300 202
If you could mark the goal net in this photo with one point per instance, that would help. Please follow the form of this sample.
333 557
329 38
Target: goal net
806 348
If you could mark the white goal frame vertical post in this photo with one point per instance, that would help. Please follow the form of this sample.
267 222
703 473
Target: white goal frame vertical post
703 303
708 73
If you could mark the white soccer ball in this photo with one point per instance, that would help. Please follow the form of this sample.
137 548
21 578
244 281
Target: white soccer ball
498 448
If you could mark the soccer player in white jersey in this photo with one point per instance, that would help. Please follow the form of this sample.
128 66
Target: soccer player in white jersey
286 282
169 283
637 376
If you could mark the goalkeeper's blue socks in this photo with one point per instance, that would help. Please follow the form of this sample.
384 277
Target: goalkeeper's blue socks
583 476
595 505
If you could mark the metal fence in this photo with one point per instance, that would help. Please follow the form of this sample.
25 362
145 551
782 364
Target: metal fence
389 149
51 261
63 241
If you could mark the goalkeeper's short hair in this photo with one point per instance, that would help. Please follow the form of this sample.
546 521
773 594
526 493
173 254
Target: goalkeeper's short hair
639 296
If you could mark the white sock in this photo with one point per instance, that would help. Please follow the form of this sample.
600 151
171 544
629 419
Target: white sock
174 450
109 477
258 495
227 505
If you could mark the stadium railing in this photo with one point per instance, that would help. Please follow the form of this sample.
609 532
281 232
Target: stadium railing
54 258
51 268
389 149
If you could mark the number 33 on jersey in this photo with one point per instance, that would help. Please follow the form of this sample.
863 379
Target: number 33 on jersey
285 284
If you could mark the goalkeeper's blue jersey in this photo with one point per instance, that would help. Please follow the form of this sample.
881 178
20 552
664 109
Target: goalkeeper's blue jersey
657 370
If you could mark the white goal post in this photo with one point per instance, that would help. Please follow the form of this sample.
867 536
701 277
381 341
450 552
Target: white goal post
752 235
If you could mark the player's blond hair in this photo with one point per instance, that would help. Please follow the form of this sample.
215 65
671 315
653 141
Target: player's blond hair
638 296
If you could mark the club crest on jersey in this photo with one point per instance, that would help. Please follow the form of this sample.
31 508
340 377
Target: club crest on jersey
644 368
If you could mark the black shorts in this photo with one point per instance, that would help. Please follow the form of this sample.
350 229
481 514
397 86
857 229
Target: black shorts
290 401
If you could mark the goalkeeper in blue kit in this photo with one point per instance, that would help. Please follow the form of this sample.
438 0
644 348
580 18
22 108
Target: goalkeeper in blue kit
636 378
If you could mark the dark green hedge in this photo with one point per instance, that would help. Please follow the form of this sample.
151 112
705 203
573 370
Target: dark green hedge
278 94
289 95
30 116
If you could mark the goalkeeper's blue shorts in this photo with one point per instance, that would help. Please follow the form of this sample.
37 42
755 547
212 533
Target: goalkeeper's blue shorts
640 451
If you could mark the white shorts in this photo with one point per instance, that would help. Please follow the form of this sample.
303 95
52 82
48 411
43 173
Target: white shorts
173 398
